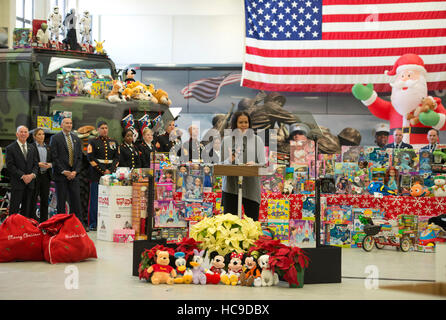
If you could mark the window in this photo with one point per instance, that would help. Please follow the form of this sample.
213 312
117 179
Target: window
24 13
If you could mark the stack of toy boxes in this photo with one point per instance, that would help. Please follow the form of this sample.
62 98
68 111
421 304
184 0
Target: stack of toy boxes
338 225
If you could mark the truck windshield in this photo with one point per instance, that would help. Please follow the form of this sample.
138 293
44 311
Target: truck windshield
49 67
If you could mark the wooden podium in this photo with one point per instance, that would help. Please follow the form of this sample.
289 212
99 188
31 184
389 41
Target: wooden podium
239 171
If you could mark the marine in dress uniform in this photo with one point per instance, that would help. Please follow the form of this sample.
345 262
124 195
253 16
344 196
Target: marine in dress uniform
103 155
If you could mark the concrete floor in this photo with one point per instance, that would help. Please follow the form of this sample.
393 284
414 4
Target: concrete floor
110 278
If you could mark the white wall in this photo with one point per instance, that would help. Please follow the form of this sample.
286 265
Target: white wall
169 31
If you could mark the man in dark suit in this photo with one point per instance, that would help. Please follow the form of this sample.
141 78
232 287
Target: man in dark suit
22 165
66 151
398 141
432 137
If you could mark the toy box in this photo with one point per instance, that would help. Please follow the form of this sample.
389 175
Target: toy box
44 122
377 157
357 238
22 38
164 191
302 233
338 214
353 153
58 116
166 214
338 235
123 235
278 210
405 160
426 159
308 208
281 230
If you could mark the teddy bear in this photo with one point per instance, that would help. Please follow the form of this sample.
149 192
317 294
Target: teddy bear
162 271
251 273
427 104
217 269
235 268
439 187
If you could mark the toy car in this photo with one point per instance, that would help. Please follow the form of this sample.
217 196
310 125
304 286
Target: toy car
432 235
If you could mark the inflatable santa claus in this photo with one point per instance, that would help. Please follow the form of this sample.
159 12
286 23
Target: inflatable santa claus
410 108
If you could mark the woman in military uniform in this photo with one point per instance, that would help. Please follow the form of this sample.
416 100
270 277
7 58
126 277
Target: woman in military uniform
129 155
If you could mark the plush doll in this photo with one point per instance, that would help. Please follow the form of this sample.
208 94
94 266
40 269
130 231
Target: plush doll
99 48
162 271
235 268
427 104
251 274
115 94
439 187
198 271
409 88
162 97
217 268
268 278
417 190
184 275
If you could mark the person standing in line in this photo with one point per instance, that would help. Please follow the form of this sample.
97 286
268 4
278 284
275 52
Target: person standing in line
166 141
66 152
241 125
128 153
146 147
22 166
43 180
103 155
398 141
433 138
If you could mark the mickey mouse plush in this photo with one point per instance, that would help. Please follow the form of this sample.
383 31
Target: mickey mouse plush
217 269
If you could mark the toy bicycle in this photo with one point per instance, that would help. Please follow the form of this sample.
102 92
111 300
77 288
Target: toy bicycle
383 235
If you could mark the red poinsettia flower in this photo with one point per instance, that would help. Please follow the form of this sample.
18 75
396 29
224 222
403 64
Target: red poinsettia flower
187 245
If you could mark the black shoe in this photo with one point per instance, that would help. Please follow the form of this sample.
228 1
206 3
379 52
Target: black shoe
439 221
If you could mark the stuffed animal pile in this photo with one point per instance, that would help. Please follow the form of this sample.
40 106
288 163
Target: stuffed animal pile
137 90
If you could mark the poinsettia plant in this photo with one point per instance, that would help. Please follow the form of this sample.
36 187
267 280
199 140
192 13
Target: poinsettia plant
148 258
226 233
286 261
187 245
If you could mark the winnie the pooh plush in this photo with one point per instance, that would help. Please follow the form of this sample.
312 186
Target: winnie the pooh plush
162 271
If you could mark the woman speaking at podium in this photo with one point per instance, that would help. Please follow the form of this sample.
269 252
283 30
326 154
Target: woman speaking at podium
243 147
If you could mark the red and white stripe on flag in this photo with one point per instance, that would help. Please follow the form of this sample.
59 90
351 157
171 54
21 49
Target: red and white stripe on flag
330 45
206 90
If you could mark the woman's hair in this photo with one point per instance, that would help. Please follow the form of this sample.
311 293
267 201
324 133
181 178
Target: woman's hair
236 116
387 176
37 130
146 129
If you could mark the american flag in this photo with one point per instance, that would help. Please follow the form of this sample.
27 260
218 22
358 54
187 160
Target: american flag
206 90
329 45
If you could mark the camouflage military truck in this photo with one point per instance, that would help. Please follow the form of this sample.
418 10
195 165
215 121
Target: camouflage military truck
28 89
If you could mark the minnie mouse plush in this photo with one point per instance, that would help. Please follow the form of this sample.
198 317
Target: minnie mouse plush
235 268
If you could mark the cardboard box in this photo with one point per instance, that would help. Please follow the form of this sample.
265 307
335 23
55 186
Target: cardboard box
44 122
114 210
123 235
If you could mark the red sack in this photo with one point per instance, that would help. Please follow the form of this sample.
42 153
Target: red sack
20 239
65 240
